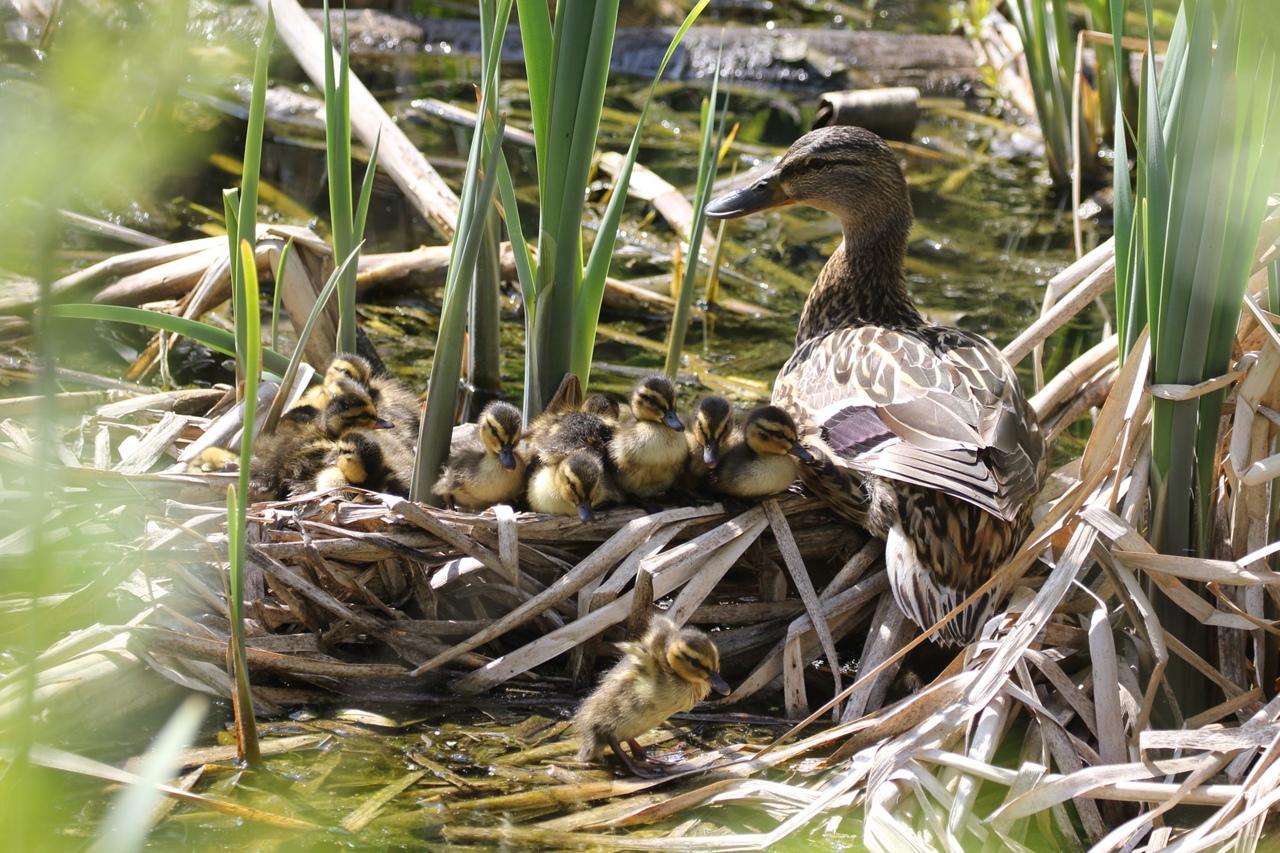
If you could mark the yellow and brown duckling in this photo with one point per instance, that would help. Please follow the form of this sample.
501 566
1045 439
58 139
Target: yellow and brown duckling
649 452
667 671
576 485
393 400
214 460
287 461
763 462
605 408
707 436
373 461
486 470
922 432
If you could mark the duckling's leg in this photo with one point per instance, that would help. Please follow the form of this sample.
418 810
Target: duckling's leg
633 768
637 751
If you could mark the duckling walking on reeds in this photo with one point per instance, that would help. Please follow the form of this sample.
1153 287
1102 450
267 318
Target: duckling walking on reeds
371 461
666 672
763 463
486 470
577 484
709 434
650 452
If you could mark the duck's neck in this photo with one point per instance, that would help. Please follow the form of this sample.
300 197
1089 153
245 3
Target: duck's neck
863 283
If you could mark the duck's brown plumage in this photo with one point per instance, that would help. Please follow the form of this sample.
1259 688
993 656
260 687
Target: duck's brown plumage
924 434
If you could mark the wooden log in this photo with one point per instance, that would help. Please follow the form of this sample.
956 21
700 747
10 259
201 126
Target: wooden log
891 112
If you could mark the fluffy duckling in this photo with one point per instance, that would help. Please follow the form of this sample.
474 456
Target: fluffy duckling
712 426
650 452
393 400
666 672
368 460
214 460
763 463
286 462
487 471
602 407
577 484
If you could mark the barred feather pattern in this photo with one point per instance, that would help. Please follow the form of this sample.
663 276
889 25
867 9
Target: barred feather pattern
923 436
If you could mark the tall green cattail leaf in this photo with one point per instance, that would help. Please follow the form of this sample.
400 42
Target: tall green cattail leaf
591 290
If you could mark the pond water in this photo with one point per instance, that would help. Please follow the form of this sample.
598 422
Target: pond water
989 232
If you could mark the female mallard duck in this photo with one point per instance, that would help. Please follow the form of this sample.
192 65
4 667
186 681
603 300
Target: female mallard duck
709 434
763 462
650 452
577 484
666 672
368 460
486 470
923 433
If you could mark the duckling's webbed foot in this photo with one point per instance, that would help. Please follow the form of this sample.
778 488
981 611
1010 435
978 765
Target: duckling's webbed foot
644 771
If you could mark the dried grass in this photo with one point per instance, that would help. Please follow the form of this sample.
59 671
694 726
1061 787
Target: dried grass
1056 723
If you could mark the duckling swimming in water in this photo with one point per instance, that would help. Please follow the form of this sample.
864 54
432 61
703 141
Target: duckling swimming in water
763 463
368 460
712 427
486 470
650 452
666 672
577 484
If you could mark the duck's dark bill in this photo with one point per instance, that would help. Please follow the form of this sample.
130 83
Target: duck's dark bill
799 452
507 458
719 685
764 193
584 512
711 454
383 423
672 420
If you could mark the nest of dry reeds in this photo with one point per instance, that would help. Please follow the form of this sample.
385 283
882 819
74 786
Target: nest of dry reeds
1061 715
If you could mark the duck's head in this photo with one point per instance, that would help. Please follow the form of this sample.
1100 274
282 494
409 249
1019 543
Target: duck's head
771 430
687 652
354 455
654 399
348 366
351 408
605 408
712 424
500 427
579 477
848 171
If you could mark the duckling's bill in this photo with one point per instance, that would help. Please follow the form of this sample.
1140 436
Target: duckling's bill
507 457
672 420
799 452
711 453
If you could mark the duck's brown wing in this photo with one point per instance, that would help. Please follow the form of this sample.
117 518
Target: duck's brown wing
935 407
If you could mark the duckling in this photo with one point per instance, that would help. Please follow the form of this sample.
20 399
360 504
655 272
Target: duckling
602 407
666 672
214 460
392 398
370 461
578 483
487 471
763 463
286 461
712 426
650 452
